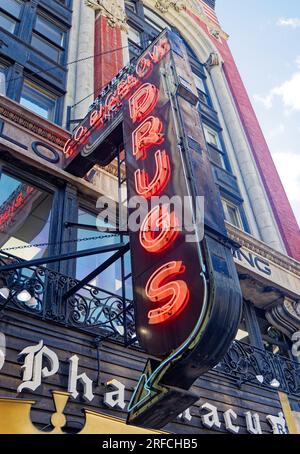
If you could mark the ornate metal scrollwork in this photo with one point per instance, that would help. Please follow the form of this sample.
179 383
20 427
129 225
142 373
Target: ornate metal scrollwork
245 362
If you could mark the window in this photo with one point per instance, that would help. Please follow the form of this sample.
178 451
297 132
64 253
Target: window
232 214
3 70
215 150
212 137
155 21
10 12
38 100
130 5
109 280
135 42
201 88
48 38
25 213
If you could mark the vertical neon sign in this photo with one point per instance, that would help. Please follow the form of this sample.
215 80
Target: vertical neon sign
165 298
186 294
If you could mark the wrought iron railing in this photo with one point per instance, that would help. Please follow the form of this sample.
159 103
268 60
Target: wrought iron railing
103 313
108 315
245 363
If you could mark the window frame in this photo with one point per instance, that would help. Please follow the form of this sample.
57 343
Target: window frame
48 41
225 203
17 20
25 175
32 84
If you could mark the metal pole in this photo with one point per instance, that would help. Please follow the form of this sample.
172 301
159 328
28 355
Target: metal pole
62 257
97 271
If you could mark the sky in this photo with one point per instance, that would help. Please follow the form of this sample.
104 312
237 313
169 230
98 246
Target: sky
265 42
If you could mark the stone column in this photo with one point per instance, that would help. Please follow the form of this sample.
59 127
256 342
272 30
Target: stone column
81 47
259 200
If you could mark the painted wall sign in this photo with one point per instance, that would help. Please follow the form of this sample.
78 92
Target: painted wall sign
39 362
187 295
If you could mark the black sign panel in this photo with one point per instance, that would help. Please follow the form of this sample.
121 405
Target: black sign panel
186 293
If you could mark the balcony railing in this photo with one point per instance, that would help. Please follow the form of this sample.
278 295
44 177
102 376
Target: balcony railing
107 315
245 363
40 291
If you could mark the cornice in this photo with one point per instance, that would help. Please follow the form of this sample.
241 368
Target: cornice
262 249
113 10
32 123
17 114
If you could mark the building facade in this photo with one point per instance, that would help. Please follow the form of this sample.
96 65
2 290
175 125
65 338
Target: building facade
56 57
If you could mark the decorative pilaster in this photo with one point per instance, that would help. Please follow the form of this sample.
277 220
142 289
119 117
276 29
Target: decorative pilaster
112 10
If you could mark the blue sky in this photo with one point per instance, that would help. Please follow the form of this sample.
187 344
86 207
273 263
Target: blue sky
265 42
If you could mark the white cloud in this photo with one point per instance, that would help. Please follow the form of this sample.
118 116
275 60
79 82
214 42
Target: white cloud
293 22
288 167
276 132
288 91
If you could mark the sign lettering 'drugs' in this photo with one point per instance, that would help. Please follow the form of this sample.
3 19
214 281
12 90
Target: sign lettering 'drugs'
186 294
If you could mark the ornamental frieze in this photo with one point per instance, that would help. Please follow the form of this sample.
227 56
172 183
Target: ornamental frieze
112 10
164 5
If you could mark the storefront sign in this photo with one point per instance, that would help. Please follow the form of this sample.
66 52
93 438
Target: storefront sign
254 261
186 294
38 362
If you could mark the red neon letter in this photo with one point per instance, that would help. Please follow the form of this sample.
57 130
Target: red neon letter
142 103
69 148
174 294
159 230
144 67
160 50
97 117
160 180
146 135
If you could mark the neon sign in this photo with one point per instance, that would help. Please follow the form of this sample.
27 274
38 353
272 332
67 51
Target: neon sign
186 294
111 101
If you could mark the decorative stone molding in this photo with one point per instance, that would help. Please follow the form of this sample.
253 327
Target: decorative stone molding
32 126
285 317
112 10
164 5
258 247
213 60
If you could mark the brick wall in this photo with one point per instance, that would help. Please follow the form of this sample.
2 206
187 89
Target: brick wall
107 63
280 204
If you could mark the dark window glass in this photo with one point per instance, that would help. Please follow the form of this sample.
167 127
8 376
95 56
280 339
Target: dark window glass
48 38
134 42
49 30
232 213
38 100
3 71
13 7
25 213
7 23
45 47
111 279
